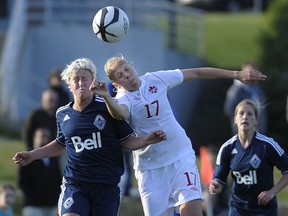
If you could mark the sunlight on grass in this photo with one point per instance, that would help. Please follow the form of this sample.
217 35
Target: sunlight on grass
232 39
8 169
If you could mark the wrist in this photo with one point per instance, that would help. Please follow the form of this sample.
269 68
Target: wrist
236 74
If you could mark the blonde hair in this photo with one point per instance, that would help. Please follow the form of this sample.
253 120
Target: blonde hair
111 64
74 66
254 104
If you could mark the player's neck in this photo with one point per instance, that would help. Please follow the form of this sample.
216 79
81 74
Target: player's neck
245 138
80 105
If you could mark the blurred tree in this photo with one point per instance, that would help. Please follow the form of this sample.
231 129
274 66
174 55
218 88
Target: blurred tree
273 61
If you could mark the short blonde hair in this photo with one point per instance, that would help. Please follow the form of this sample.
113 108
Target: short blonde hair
111 63
74 66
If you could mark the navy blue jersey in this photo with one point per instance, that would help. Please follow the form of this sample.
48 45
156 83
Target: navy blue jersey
92 139
251 169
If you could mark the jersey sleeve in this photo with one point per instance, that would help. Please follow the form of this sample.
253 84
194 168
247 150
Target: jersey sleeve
123 130
222 166
60 136
122 97
171 78
277 156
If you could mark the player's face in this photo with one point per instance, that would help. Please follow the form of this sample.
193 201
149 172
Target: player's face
126 77
7 197
80 83
245 118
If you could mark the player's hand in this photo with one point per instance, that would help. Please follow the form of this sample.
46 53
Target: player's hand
156 136
22 158
99 88
265 196
215 187
249 76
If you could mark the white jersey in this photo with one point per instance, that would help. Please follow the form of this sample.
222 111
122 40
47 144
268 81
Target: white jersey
150 110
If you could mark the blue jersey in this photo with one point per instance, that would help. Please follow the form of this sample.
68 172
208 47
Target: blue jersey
8 212
92 139
251 169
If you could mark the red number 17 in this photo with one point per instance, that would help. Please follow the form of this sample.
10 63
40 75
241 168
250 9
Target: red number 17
149 106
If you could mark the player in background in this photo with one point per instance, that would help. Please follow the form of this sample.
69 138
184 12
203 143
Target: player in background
7 199
239 91
251 157
93 140
40 182
167 175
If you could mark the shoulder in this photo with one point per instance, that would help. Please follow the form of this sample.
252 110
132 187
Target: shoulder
169 78
229 143
162 73
99 99
269 142
227 149
63 110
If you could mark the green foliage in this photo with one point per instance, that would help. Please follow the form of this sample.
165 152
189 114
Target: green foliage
273 40
274 62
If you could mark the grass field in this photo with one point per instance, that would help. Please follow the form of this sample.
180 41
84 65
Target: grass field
231 39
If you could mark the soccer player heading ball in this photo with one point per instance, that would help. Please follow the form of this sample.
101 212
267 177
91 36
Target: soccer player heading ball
165 172
93 141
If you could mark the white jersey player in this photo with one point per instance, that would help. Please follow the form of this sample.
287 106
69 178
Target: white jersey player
167 174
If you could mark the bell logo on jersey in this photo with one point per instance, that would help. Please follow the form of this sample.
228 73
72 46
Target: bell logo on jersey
249 179
87 144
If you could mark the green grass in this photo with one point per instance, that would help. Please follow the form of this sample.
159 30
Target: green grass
232 39
8 148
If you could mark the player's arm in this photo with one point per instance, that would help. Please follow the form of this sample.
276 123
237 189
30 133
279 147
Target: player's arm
117 111
215 187
283 182
133 142
245 76
52 149
265 196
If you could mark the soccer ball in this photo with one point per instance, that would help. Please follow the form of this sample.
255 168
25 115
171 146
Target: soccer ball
110 24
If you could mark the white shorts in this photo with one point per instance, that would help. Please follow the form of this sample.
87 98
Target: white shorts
165 188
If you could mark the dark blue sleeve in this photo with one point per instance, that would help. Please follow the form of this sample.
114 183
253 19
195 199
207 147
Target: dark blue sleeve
278 157
222 167
122 129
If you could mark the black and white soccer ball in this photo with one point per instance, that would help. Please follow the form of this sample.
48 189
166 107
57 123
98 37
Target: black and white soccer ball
110 24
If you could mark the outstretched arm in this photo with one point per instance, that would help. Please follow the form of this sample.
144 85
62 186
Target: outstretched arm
134 142
119 112
246 76
52 149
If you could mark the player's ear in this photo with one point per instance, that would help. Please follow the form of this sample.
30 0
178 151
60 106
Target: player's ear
69 87
235 120
115 85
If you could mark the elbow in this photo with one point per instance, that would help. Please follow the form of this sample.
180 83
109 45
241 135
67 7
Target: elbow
120 117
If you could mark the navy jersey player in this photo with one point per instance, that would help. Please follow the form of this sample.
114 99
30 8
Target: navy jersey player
143 101
251 157
93 141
